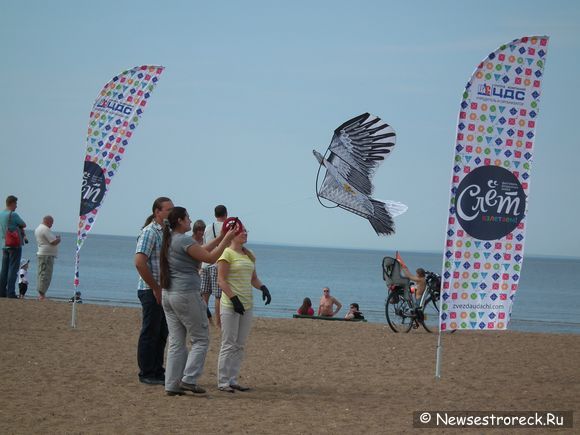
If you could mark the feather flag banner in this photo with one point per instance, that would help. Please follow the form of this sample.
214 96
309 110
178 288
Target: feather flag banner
490 187
113 120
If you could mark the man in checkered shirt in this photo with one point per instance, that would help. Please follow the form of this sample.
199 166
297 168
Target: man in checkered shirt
153 337
209 283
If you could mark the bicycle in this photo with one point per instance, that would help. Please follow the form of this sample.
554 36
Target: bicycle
403 312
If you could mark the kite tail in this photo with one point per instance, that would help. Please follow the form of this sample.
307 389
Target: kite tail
395 208
381 220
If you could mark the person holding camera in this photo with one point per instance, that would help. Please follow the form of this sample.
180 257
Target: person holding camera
47 243
185 310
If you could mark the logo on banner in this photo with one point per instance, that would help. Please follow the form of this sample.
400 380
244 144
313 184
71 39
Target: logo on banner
116 107
93 187
490 202
501 93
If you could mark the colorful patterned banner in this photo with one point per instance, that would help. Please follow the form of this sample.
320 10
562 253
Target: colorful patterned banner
113 120
490 186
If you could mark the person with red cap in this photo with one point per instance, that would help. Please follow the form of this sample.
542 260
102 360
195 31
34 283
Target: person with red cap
236 277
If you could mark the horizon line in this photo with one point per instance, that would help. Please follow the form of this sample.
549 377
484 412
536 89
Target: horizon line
345 248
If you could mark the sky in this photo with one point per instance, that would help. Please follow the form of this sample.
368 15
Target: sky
251 88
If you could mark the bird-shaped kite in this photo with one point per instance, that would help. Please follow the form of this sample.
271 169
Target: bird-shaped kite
357 149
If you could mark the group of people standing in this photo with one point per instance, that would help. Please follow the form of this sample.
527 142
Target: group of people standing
178 273
13 234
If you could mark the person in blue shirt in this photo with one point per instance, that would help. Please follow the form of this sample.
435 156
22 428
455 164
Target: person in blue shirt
153 335
10 221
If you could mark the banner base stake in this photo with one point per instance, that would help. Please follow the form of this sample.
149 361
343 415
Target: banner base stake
73 322
438 357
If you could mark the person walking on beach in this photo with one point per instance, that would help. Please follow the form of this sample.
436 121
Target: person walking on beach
209 283
185 310
327 303
153 335
236 276
47 243
10 221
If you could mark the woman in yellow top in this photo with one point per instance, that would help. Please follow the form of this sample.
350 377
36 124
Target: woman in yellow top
236 276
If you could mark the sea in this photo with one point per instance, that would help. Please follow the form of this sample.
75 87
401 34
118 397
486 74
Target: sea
546 300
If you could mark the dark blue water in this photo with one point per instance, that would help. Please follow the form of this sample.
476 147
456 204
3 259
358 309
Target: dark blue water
546 300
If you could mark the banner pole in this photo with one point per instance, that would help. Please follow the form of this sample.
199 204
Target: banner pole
73 322
438 357
439 350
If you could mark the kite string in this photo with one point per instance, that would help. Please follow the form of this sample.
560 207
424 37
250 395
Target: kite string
280 205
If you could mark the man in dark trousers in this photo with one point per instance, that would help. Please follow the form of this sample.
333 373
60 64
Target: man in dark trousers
154 331
10 221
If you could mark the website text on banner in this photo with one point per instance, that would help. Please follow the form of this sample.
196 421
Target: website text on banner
490 187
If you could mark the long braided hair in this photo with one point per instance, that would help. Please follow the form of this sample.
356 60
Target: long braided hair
170 224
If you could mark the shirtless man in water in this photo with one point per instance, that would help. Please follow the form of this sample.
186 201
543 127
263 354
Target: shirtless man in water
325 307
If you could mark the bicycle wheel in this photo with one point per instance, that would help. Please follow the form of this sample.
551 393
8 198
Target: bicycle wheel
399 313
430 318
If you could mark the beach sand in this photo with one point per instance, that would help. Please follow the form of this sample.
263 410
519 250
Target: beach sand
308 376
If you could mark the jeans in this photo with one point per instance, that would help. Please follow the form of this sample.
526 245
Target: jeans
153 337
10 265
235 331
186 316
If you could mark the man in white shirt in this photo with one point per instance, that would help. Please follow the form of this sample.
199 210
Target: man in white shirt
47 243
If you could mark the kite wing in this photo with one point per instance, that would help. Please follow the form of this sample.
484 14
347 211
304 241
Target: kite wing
358 147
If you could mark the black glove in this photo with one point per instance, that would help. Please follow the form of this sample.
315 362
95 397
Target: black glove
238 307
266 295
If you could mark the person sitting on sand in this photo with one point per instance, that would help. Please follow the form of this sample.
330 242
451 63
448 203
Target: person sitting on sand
306 308
327 302
354 312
